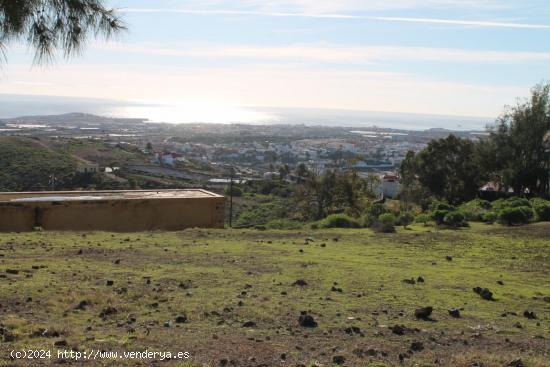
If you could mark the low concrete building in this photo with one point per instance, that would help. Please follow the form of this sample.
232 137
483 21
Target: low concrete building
117 211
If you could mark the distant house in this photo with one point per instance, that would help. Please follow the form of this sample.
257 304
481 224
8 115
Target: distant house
87 167
390 184
168 159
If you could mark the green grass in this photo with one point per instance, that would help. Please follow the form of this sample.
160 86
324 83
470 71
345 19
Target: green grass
203 274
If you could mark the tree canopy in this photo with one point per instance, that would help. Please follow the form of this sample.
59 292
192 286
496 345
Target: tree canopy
51 26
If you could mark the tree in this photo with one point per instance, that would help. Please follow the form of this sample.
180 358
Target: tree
515 153
447 168
49 26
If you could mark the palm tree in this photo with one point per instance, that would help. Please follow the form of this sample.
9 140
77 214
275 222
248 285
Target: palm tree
51 26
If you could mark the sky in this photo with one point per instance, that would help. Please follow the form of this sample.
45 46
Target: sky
210 58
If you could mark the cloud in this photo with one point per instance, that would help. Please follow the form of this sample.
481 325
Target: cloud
324 53
322 15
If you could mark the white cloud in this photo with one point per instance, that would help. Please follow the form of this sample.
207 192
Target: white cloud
326 15
324 53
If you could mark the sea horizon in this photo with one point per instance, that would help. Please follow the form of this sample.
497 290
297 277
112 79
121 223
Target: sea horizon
12 106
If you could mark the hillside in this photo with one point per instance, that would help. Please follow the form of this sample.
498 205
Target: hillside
26 164
234 297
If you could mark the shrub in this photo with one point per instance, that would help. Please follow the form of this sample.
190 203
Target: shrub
438 216
475 209
339 221
512 202
490 217
405 219
441 205
542 209
454 219
385 223
422 218
515 215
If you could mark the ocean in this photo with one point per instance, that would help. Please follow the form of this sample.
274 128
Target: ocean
27 105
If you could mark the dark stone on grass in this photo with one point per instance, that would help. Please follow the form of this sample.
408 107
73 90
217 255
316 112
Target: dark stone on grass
249 324
7 336
398 329
61 343
546 299
530 315
423 312
334 289
409 281
420 280
484 293
300 283
338 360
82 305
110 283
454 312
417 346
500 282
181 319
353 330
516 363
449 258
108 311
12 271
116 262
307 321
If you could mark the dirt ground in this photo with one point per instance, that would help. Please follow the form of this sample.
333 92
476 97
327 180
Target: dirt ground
279 298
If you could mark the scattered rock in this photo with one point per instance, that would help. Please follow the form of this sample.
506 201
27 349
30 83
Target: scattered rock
168 324
82 305
420 280
108 311
454 312
423 312
7 336
546 299
449 258
249 324
300 283
484 293
417 346
338 360
110 283
307 321
353 330
530 315
398 329
334 289
12 271
516 363
61 343
181 319
409 281
500 282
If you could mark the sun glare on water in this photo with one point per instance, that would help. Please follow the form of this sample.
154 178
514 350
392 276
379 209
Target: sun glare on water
177 114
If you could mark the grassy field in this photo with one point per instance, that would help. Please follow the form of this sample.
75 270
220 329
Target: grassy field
229 298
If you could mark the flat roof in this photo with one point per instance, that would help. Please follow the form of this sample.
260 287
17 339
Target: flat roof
52 196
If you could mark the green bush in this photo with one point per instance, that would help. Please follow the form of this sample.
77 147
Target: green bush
441 205
385 223
454 219
405 219
542 209
475 209
339 221
489 217
515 215
513 202
438 216
422 218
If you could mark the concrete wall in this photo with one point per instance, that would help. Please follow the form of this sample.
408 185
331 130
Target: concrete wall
114 215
